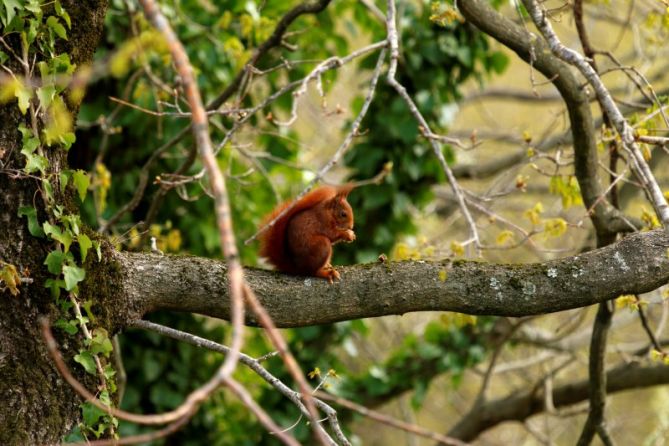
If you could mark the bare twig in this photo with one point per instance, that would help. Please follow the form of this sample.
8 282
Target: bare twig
189 406
646 326
637 161
390 421
262 416
253 364
293 367
393 41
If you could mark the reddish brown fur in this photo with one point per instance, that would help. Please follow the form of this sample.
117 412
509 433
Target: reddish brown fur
300 242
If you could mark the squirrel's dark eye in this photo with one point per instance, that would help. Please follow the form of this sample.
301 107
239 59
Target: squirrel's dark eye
342 214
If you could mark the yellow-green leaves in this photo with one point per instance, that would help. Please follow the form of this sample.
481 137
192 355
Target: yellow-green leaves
534 214
81 182
554 227
630 301
567 187
9 278
16 89
444 14
504 238
659 356
146 44
54 25
649 219
59 124
101 186
458 320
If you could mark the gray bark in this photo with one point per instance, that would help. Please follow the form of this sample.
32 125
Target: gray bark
636 264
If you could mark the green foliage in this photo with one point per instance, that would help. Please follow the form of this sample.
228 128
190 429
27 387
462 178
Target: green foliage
34 227
442 348
49 129
437 61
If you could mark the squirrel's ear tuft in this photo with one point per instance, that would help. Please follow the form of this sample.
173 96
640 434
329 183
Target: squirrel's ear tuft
343 191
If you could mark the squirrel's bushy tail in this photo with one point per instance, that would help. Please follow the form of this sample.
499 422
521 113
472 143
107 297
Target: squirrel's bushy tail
273 243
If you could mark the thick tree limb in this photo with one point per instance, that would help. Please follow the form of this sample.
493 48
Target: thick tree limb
636 264
532 50
522 405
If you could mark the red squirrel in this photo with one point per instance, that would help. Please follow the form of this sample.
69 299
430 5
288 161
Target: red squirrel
300 242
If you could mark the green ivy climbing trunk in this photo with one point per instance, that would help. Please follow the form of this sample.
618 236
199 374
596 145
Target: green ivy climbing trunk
36 406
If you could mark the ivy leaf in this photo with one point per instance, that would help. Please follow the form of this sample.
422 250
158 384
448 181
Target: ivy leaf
10 278
86 305
30 144
53 23
84 245
86 359
70 327
81 182
35 162
91 414
54 285
96 245
55 233
73 222
23 94
64 177
10 6
101 344
46 95
34 7
63 14
73 275
33 225
54 262
67 139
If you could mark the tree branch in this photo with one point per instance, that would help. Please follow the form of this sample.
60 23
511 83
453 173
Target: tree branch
532 50
636 264
596 370
519 406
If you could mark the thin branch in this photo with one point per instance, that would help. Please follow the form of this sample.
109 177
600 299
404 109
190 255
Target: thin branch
390 421
293 367
188 407
253 364
393 41
646 326
222 206
262 416
595 422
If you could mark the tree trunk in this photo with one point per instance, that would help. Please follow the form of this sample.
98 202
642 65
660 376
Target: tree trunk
36 405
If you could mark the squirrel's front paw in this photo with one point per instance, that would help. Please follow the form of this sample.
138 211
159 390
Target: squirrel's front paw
349 235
